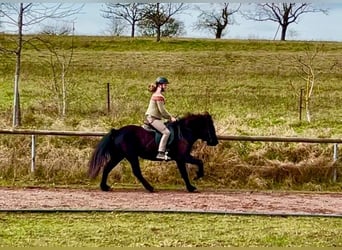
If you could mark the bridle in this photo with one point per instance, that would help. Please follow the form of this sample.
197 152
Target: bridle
209 137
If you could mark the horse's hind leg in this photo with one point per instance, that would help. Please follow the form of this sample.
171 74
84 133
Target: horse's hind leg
134 161
106 170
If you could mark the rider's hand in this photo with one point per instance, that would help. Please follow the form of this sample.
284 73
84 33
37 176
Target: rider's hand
173 119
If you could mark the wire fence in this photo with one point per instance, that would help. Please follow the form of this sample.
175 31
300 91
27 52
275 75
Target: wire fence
35 133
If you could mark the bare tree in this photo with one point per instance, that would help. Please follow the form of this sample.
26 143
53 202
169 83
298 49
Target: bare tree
21 16
132 13
282 13
172 28
308 67
216 19
159 14
305 67
60 62
57 29
115 26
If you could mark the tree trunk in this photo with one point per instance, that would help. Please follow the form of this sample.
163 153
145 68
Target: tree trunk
158 26
307 107
283 32
219 33
158 33
133 29
309 86
64 91
16 98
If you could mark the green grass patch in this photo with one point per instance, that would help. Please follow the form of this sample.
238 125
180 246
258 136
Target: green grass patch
165 230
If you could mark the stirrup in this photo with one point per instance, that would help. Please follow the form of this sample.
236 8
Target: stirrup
163 156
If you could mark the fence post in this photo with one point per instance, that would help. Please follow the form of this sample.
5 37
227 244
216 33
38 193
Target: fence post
33 153
108 97
335 157
300 104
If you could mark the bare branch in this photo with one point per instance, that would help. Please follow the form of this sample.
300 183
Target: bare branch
282 13
159 14
216 19
131 13
34 13
24 15
306 66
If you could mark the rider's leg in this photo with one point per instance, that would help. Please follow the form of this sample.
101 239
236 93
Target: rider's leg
160 126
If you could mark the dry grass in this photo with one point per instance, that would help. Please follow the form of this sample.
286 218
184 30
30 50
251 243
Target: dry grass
234 165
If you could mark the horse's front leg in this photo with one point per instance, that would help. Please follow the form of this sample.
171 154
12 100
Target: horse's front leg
200 171
182 169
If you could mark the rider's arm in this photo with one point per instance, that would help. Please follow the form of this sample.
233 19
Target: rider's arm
161 106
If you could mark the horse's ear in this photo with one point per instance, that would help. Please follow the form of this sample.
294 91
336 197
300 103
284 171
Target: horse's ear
206 113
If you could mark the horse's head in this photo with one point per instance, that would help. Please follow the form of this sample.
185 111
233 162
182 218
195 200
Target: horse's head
210 135
203 127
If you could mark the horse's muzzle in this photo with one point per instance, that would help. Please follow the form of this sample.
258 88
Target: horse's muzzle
212 142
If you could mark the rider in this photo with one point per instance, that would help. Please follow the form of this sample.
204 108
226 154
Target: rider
156 112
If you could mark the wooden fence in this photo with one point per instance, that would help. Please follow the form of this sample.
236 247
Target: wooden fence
34 133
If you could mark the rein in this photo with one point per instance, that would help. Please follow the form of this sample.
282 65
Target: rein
210 138
179 132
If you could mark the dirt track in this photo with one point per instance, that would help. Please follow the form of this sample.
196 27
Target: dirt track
230 202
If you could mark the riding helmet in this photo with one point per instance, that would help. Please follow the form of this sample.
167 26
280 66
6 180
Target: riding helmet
162 80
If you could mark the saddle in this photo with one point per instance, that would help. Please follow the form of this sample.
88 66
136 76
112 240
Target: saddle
158 135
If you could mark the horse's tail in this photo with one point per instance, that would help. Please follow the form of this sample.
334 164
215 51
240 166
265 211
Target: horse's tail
101 154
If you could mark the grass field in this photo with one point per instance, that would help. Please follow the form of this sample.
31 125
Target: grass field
250 88
165 230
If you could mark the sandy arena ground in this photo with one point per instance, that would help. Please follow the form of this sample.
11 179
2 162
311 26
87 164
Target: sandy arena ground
205 201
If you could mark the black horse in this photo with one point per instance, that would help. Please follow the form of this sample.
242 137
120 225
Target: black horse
132 142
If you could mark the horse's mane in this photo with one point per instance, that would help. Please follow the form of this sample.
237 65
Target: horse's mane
189 117
192 115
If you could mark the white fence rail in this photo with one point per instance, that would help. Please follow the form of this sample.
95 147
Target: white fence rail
34 133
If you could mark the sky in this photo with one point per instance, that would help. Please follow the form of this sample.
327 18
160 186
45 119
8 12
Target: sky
311 26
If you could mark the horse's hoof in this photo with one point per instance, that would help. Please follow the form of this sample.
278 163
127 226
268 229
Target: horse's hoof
191 189
105 188
150 189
